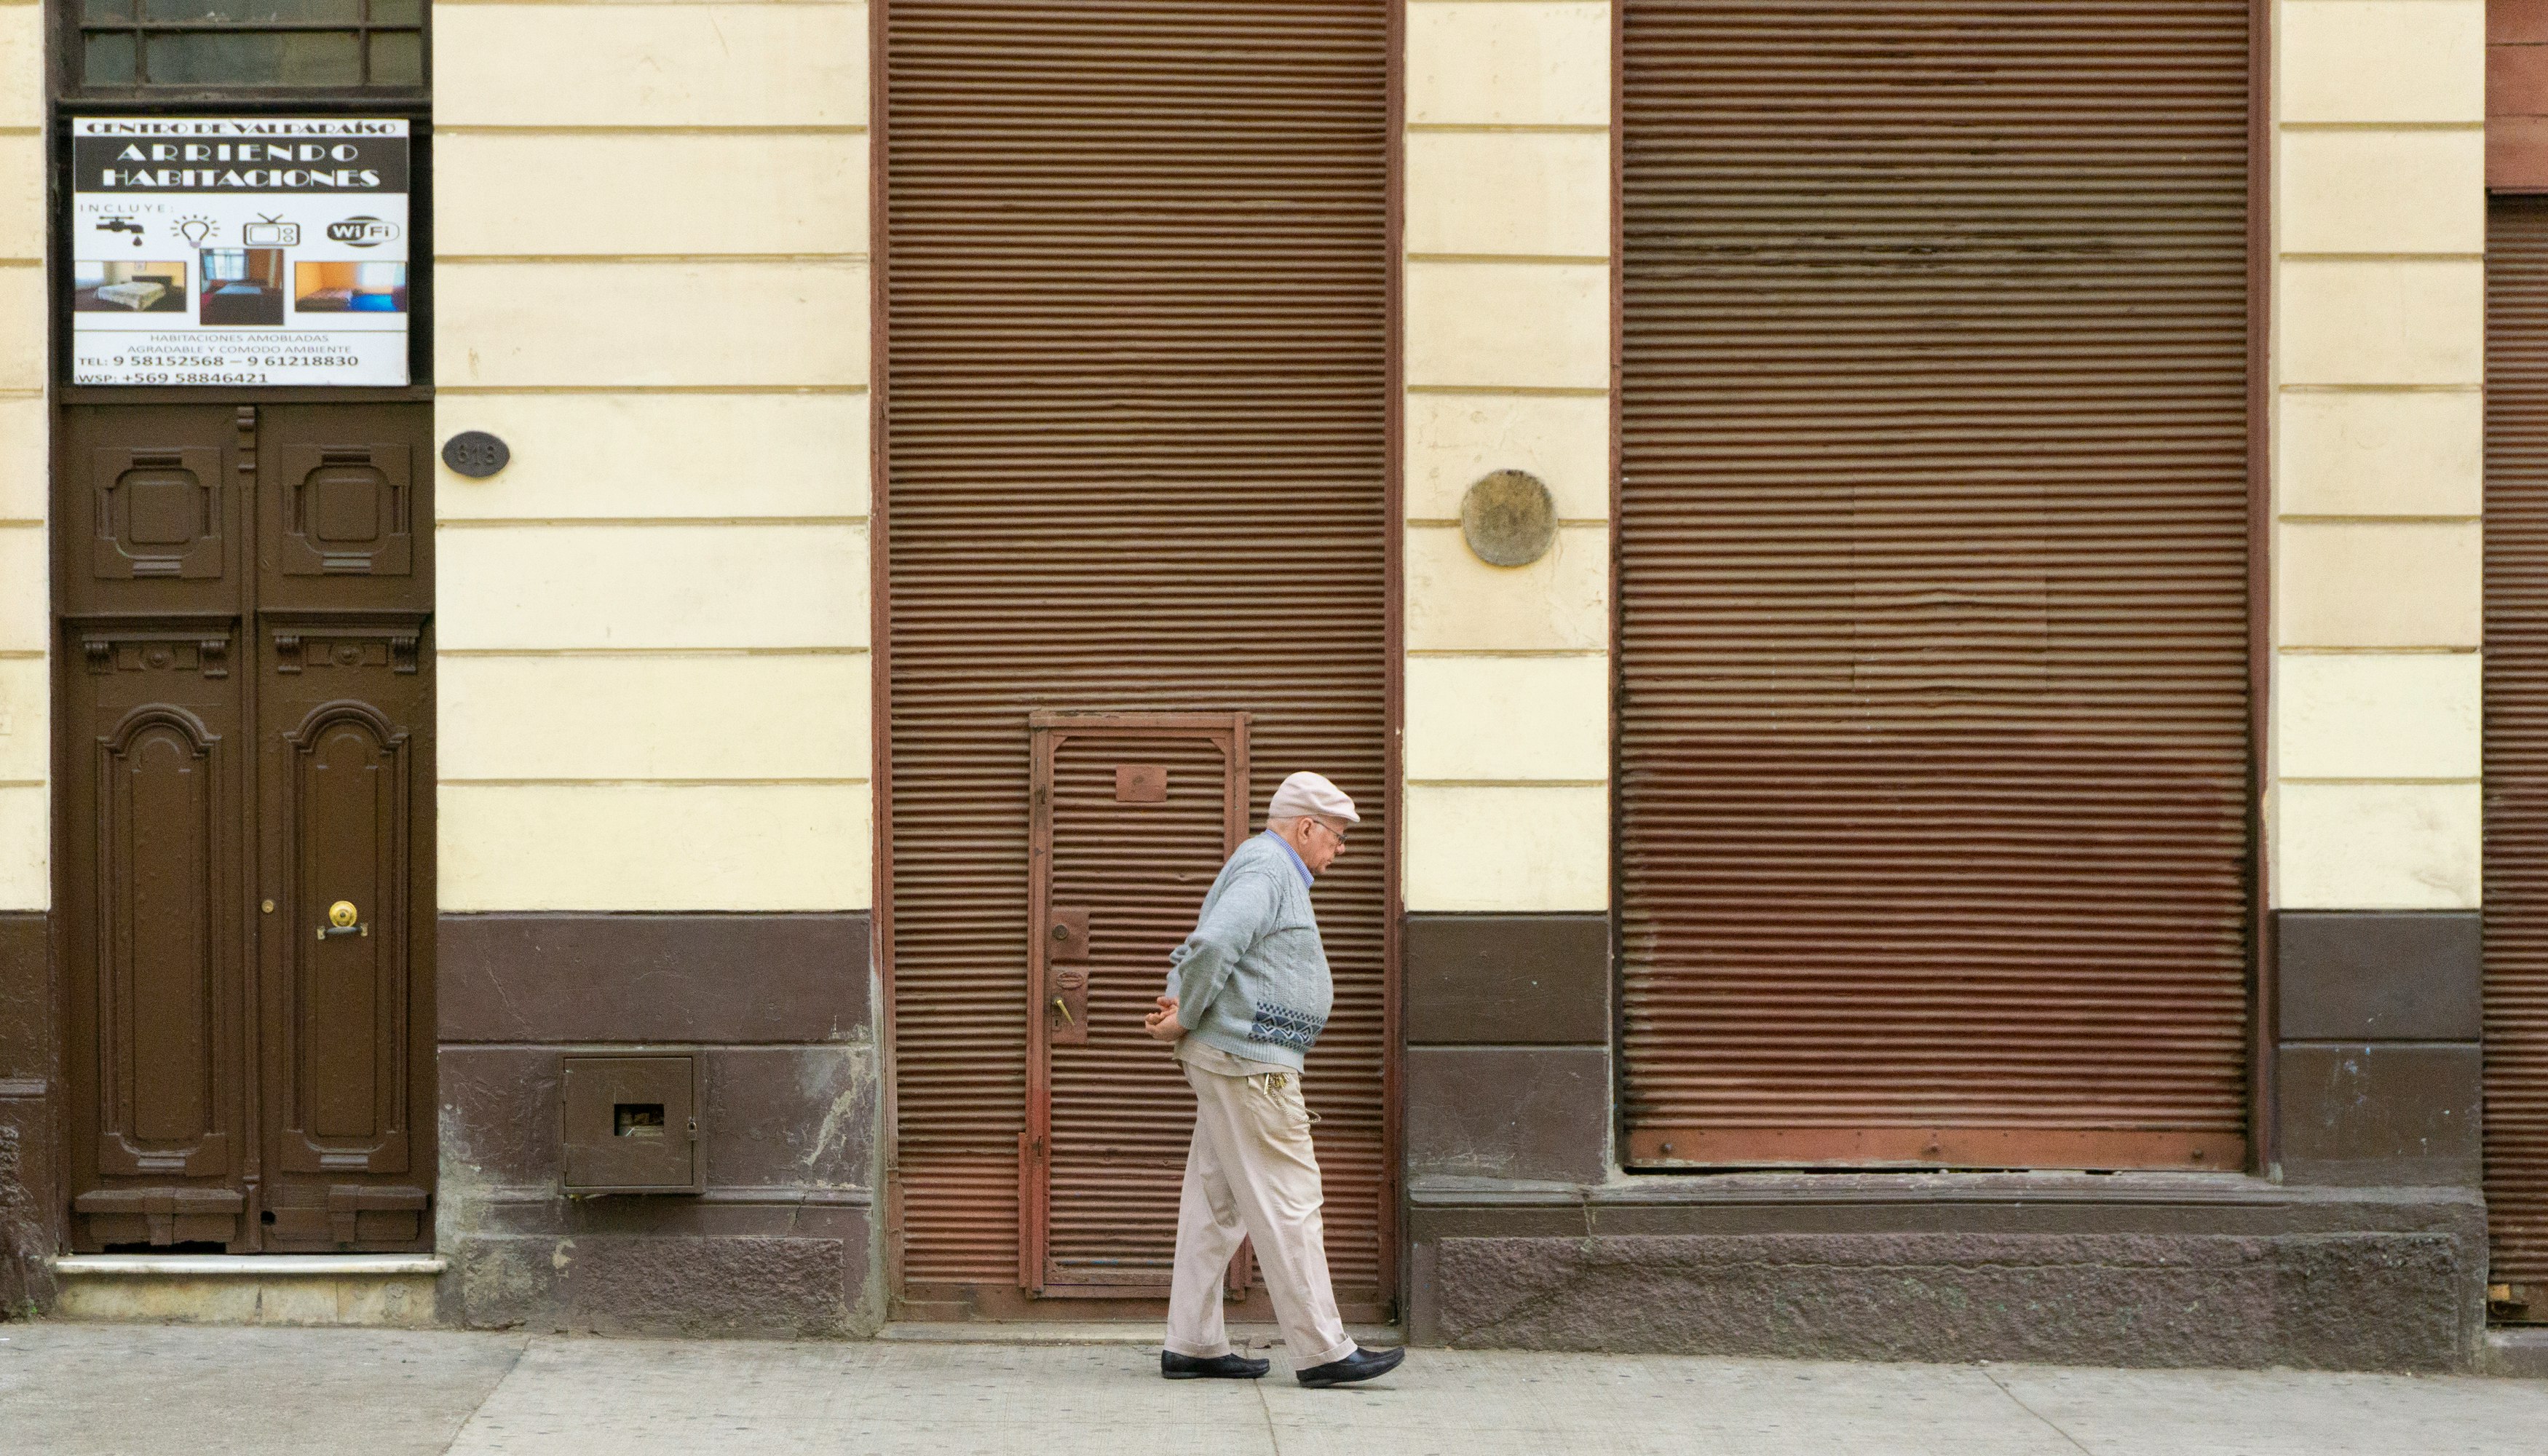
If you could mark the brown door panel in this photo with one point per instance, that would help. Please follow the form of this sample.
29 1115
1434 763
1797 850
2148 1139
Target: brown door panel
344 513
346 780
157 954
158 1217
158 512
352 1215
345 798
151 511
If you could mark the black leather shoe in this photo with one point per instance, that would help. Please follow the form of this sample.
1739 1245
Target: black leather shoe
1360 1365
1219 1367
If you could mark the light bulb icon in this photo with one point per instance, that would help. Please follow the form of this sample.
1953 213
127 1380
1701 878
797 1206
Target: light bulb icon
195 231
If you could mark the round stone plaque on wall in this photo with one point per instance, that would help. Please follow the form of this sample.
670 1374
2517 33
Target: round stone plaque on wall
475 454
1508 518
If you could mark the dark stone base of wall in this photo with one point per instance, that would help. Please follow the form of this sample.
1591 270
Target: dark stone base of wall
26 1235
811 1280
2379 1074
30 1212
2239 1274
777 1010
2363 1301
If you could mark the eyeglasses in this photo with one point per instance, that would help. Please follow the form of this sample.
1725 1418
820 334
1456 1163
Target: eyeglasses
1336 833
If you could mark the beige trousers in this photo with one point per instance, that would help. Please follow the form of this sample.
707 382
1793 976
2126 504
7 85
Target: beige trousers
1250 1173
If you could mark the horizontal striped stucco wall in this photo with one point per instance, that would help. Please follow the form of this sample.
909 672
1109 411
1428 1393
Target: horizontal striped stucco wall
652 282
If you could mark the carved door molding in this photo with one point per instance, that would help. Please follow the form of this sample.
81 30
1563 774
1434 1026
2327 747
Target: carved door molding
344 509
165 790
158 512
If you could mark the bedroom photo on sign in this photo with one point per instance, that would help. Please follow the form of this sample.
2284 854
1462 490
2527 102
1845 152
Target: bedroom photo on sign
128 288
243 285
349 288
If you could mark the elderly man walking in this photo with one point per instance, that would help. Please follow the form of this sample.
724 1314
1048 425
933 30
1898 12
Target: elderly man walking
1247 994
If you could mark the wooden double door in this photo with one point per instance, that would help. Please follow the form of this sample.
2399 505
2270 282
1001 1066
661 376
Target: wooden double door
245 825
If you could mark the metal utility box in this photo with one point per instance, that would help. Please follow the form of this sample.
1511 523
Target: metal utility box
632 1123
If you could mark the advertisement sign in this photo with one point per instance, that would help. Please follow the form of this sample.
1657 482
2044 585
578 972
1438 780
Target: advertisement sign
246 250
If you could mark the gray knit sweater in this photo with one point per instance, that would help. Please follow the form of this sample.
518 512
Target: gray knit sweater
1252 978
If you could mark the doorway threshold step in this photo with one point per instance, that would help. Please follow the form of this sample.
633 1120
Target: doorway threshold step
392 1290
73 1267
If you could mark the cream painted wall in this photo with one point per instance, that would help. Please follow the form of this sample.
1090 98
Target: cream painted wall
26 834
2377 363
1507 366
651 280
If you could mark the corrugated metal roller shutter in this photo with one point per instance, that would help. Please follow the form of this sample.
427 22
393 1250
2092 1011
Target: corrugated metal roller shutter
1934 742
1137 421
2516 744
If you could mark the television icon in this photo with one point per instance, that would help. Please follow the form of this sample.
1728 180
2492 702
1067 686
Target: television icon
270 233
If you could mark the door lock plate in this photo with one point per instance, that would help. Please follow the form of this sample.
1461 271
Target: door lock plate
1065 936
1065 1007
343 920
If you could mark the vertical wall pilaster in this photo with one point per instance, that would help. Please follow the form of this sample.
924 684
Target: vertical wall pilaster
25 834
27 1200
1507 349
2373 841
1507 366
1507 323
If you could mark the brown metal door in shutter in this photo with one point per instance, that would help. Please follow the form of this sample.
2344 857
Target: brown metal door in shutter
1934 743
1133 818
1135 410
2516 749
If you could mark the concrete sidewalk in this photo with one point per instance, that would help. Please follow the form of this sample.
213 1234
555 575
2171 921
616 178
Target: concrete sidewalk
124 1388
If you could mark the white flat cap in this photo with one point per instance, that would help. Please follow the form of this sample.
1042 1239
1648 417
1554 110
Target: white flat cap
1309 794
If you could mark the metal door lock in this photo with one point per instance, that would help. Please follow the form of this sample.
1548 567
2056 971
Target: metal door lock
1069 1003
1067 935
343 920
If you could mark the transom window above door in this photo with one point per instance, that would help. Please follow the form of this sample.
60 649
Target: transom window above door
157 46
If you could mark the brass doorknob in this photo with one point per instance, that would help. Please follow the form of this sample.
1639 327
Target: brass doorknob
343 920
